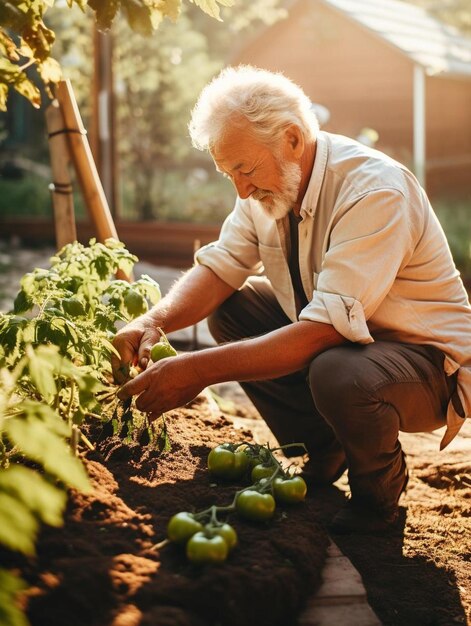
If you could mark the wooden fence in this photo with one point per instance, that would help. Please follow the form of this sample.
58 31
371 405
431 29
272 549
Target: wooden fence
160 243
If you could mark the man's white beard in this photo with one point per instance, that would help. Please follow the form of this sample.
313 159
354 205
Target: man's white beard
277 206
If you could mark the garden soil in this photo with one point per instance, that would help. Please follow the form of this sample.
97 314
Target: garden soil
102 569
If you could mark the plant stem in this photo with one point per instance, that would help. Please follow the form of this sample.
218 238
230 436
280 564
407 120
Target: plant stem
161 544
87 442
71 400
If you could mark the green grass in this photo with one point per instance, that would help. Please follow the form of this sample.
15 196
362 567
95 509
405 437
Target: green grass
455 218
30 197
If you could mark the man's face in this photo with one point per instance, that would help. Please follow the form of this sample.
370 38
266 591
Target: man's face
257 172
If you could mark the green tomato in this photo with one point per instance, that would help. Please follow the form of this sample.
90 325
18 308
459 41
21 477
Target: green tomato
226 464
161 350
253 457
182 526
73 307
227 532
255 506
262 471
289 490
203 549
135 303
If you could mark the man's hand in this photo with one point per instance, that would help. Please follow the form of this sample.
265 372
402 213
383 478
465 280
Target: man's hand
192 298
133 342
165 385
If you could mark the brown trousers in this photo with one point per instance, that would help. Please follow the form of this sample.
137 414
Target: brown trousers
349 405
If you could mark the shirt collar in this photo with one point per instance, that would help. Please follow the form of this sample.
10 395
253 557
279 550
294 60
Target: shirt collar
311 197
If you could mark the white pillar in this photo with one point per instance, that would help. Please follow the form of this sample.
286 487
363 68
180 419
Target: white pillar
419 157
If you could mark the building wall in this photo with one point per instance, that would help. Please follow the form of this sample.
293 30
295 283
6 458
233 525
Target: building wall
360 79
448 119
365 82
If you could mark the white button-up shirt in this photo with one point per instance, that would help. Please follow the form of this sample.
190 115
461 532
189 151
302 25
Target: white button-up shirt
373 258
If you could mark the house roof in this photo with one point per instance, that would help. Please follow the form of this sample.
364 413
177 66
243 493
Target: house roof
439 48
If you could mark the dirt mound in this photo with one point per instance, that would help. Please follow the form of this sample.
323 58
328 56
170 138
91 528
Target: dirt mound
100 569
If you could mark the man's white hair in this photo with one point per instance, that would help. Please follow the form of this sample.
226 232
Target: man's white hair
267 100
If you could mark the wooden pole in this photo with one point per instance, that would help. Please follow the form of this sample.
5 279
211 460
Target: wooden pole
61 187
90 184
87 174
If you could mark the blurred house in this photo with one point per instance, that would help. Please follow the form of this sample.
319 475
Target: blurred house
385 66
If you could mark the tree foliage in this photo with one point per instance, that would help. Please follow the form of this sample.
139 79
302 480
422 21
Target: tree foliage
157 83
25 40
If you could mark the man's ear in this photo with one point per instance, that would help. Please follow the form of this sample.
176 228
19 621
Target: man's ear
293 141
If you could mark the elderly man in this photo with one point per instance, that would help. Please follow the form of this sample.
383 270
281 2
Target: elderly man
331 290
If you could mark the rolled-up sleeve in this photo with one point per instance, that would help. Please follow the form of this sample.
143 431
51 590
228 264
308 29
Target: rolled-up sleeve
345 314
370 241
235 255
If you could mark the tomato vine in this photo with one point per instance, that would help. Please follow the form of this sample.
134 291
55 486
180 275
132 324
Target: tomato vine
55 376
207 538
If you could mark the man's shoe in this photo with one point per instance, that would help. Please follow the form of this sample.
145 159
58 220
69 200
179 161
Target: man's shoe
356 518
362 517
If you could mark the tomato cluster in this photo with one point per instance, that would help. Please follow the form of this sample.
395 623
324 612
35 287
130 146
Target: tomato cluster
209 540
204 544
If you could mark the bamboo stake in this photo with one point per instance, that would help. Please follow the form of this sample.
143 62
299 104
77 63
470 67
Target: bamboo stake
61 187
85 167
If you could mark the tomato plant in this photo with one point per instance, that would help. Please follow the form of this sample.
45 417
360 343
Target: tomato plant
36 467
55 373
75 305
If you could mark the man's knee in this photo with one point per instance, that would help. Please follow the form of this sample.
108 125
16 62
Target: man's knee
339 385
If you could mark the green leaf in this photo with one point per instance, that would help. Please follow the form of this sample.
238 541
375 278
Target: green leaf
39 443
171 9
50 71
18 525
9 72
81 3
3 95
45 500
105 10
39 38
22 302
138 16
211 6
10 587
126 265
149 288
27 89
42 374
11 332
8 47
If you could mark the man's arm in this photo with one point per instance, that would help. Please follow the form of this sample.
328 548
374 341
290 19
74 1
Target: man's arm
175 381
193 297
